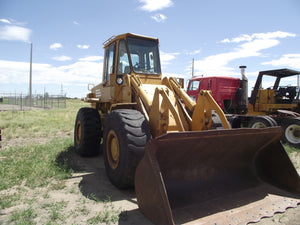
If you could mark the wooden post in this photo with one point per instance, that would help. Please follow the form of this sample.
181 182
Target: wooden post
30 77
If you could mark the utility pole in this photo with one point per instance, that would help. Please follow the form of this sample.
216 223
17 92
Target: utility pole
61 90
298 87
30 77
193 68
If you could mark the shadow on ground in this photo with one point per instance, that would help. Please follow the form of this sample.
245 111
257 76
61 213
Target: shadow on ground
95 184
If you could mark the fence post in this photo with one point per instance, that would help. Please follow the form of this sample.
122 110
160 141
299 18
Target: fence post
21 99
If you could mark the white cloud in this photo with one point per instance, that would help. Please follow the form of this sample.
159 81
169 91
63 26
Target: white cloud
75 23
243 37
175 75
5 21
15 33
159 18
83 46
91 58
154 5
55 46
195 52
288 60
252 46
166 57
264 36
270 35
62 58
78 73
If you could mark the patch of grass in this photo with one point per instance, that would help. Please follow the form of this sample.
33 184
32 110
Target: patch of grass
291 149
24 216
61 184
92 196
34 165
109 214
56 211
82 209
39 123
7 201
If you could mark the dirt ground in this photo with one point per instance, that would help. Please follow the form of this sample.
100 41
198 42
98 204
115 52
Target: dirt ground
89 192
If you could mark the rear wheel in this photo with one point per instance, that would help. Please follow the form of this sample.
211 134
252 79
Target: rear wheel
216 121
291 130
126 133
262 122
87 132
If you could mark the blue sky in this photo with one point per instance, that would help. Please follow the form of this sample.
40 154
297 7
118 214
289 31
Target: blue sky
67 37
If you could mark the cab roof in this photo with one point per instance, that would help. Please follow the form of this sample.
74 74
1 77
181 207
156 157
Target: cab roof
280 72
124 36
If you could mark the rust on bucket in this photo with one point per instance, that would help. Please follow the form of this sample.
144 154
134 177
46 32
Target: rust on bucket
218 176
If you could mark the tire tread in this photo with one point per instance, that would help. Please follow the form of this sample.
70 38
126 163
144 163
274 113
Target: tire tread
133 133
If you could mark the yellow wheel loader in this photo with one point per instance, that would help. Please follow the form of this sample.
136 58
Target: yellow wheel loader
187 165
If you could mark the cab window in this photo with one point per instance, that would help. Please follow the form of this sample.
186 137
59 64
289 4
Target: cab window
123 61
194 85
144 55
109 62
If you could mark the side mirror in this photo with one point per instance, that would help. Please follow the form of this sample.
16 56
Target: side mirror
90 86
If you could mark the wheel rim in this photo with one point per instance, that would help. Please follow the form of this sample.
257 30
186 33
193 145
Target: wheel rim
292 134
259 125
78 132
112 149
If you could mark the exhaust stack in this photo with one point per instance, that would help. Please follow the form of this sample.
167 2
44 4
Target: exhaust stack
243 72
242 93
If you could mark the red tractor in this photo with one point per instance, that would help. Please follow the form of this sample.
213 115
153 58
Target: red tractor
276 105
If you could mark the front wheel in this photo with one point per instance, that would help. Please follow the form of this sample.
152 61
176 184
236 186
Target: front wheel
291 132
262 122
126 133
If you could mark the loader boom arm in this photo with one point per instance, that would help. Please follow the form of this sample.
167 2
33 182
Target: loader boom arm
167 110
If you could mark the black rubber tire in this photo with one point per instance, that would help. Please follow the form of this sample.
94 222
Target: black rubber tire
216 121
262 122
87 132
234 121
271 121
291 132
132 133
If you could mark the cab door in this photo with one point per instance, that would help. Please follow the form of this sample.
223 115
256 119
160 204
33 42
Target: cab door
108 70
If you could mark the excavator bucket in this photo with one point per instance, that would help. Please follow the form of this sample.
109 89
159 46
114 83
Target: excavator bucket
232 176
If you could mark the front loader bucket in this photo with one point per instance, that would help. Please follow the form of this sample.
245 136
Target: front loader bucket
216 177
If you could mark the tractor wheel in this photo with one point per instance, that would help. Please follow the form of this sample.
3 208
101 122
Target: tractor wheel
272 121
291 132
216 121
262 122
126 133
87 132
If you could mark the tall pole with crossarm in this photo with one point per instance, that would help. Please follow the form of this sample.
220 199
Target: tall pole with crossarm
193 68
30 77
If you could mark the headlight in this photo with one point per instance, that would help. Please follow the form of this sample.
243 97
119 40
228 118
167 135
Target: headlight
119 80
193 97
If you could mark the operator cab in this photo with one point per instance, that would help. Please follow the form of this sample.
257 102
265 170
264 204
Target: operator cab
282 90
134 54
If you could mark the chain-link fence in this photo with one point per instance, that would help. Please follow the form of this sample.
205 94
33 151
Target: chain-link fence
23 102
